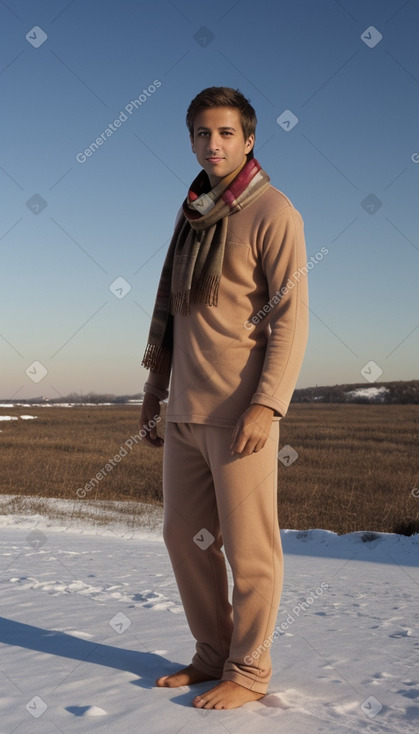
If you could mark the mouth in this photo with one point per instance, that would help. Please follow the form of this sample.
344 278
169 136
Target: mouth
214 159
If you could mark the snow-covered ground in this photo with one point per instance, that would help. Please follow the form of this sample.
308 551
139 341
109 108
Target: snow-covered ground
91 615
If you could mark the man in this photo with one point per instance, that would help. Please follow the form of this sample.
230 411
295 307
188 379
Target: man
229 331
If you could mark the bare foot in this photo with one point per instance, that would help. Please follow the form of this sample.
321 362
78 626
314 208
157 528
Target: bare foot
227 695
184 677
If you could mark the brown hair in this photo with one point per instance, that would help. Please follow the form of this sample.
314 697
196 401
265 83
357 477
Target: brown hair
223 97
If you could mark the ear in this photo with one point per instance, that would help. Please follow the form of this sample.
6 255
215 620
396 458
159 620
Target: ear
192 145
249 143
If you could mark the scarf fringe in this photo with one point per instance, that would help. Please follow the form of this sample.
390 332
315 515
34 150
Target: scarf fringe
157 358
205 292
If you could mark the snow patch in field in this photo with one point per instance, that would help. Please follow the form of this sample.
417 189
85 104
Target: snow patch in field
16 417
368 392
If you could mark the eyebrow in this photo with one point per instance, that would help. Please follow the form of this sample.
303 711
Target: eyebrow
226 127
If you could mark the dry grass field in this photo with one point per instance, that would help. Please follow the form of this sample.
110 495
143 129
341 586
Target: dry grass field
356 468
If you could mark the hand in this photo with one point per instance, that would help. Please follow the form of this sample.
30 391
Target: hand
252 429
150 409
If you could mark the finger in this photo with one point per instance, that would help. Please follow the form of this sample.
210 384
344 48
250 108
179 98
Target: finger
158 443
248 449
251 446
154 442
234 446
239 445
144 427
234 435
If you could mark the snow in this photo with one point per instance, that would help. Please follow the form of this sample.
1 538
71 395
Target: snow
372 393
15 417
91 615
134 402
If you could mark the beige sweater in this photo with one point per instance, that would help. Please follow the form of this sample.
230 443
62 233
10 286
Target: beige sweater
249 348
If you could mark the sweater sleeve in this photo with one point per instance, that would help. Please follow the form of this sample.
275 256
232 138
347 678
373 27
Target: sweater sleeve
283 257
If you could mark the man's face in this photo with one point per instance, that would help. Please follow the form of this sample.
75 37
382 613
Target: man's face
218 141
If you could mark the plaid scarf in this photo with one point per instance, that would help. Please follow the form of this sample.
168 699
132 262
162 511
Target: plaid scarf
192 269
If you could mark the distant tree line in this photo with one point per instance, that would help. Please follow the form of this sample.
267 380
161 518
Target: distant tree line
93 397
79 399
396 393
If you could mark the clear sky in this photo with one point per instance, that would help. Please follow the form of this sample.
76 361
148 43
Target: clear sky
73 223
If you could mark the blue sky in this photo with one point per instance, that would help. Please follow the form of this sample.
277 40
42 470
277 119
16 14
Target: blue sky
69 229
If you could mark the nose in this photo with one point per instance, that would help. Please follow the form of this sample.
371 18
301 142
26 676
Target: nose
213 143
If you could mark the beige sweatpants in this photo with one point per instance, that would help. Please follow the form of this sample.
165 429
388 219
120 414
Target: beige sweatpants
213 499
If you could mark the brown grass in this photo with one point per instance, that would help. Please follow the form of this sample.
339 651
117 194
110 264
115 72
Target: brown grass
356 468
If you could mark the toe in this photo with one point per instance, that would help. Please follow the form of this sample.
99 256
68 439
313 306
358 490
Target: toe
199 702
